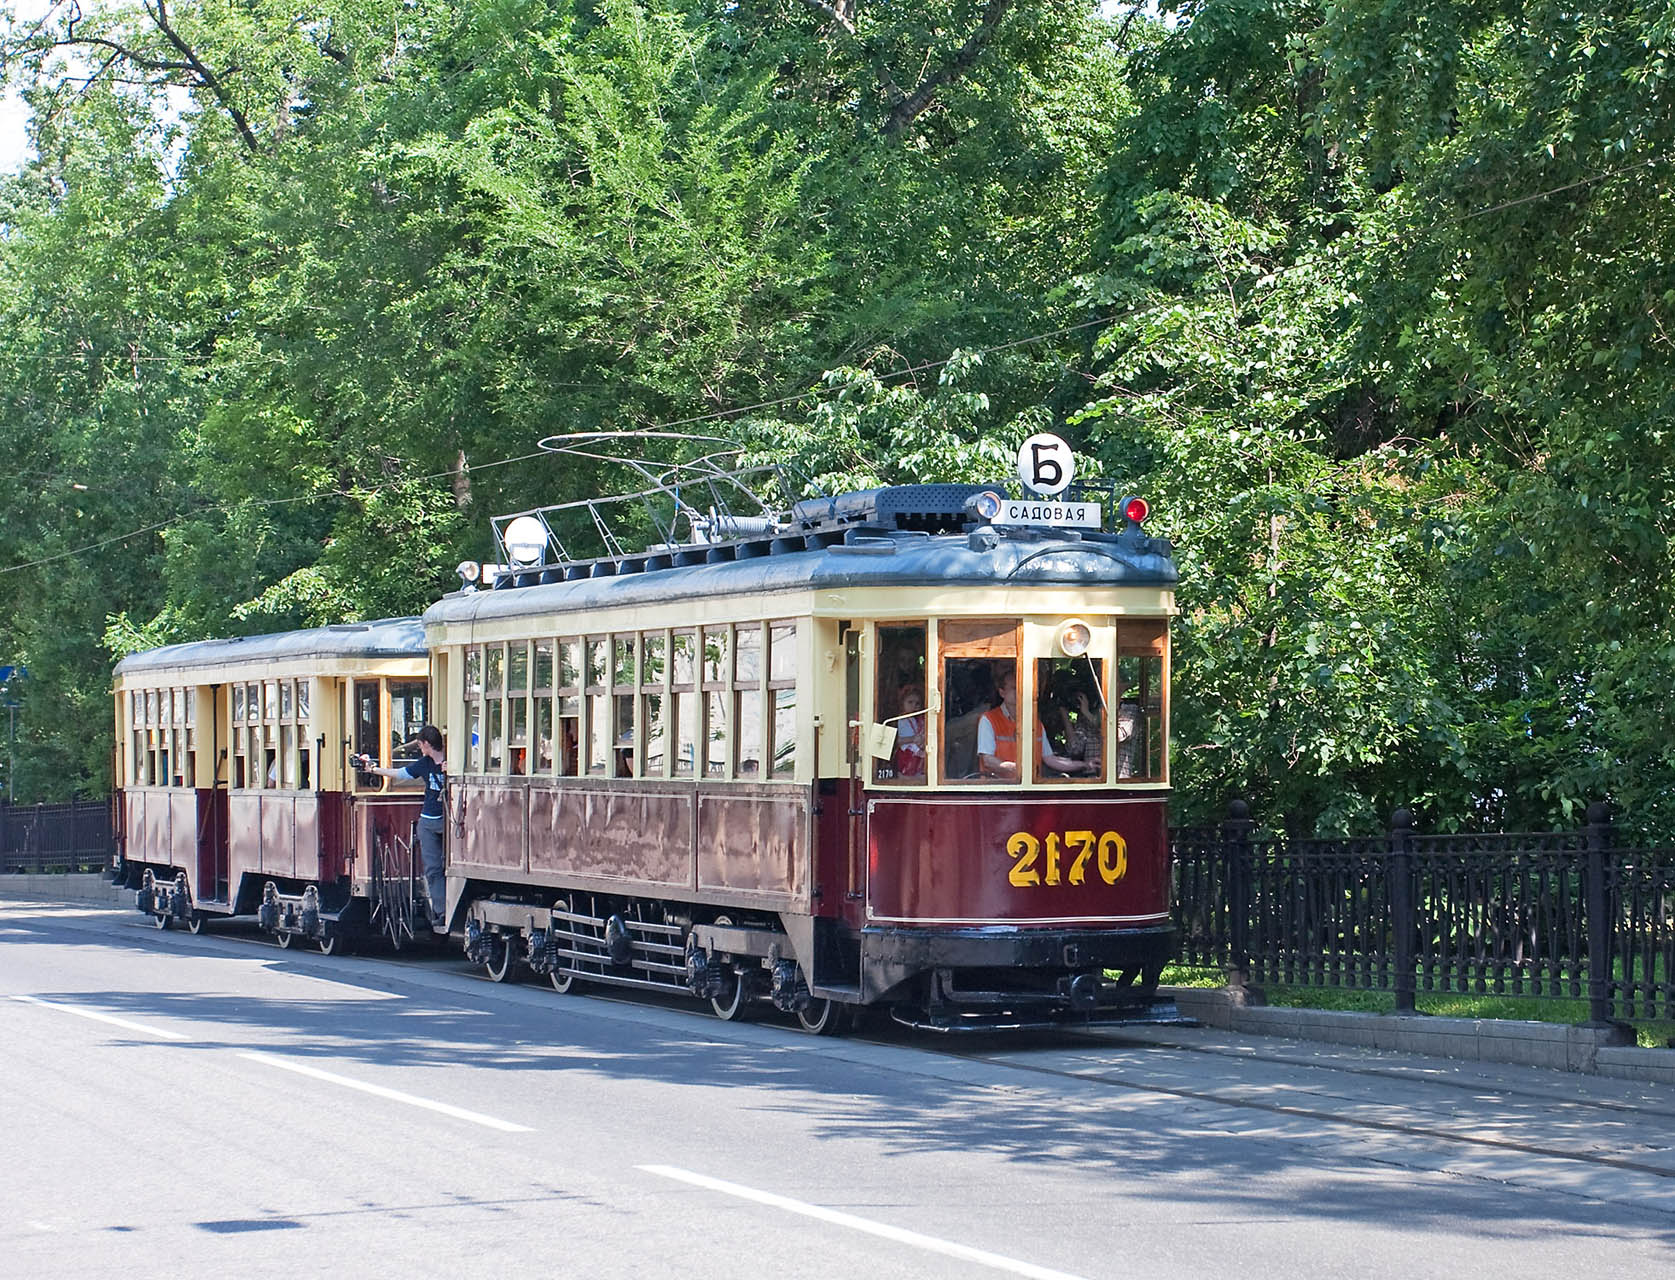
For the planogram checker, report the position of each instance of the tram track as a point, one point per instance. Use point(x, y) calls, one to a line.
point(1013, 1060)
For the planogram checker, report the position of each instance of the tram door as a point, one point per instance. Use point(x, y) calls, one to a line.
point(212, 880)
point(855, 759)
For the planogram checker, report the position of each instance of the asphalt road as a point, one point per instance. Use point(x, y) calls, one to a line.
point(177, 1105)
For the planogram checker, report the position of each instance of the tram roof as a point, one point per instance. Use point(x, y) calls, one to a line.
point(350, 641)
point(989, 556)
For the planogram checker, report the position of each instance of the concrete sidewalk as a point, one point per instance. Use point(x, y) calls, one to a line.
point(65, 888)
point(1598, 1050)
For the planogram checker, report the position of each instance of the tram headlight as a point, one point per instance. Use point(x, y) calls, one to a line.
point(1074, 638)
point(986, 505)
point(1134, 509)
point(526, 540)
point(468, 571)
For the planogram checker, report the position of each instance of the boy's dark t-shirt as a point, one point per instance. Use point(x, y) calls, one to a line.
point(435, 777)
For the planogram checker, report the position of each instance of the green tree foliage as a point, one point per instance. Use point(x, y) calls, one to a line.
point(1371, 300)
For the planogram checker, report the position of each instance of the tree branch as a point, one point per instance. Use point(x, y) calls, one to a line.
point(916, 103)
point(159, 15)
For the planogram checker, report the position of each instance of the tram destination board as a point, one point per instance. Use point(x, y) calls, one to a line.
point(1062, 515)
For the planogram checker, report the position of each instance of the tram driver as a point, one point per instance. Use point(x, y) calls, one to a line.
point(997, 735)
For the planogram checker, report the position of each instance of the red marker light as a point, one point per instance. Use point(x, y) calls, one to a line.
point(1135, 509)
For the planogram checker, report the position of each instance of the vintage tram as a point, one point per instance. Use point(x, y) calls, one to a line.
point(900, 749)
point(889, 750)
point(234, 791)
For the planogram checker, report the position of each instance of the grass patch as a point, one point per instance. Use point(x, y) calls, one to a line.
point(1649, 1035)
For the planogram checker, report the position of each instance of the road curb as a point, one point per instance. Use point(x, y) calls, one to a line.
point(87, 887)
point(1595, 1050)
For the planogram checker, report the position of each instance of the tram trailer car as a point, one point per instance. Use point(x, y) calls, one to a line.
point(705, 766)
point(235, 794)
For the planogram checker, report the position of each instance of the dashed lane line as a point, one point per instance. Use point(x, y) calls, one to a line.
point(931, 1244)
point(393, 1095)
point(160, 1032)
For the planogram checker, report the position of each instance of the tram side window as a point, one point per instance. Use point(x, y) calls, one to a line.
point(899, 699)
point(1142, 704)
point(474, 710)
point(683, 701)
point(570, 708)
point(980, 700)
point(747, 702)
point(541, 681)
point(624, 687)
point(517, 707)
point(716, 697)
point(653, 675)
point(598, 704)
point(1070, 712)
point(782, 692)
point(494, 707)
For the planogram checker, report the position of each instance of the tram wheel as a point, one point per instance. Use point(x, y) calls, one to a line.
point(563, 980)
point(330, 942)
point(822, 1017)
point(283, 938)
point(196, 921)
point(160, 920)
point(729, 1006)
point(499, 969)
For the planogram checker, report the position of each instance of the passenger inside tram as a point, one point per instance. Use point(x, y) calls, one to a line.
point(910, 731)
point(1070, 712)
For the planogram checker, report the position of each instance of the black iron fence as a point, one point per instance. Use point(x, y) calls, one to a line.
point(1568, 914)
point(56, 837)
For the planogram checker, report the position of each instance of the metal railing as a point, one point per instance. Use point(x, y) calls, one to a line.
point(1566, 914)
point(56, 838)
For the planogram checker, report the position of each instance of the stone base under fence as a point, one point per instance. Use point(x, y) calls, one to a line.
point(1607, 1051)
point(81, 887)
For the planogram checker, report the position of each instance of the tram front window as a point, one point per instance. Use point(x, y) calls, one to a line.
point(1070, 710)
point(980, 713)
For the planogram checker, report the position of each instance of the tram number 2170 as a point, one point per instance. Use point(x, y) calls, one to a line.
point(1066, 859)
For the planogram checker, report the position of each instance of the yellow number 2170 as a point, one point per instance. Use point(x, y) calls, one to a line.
point(1067, 856)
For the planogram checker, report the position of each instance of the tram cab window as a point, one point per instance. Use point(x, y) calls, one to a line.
point(899, 700)
point(980, 713)
point(366, 729)
point(1141, 703)
point(782, 694)
point(1070, 713)
point(408, 714)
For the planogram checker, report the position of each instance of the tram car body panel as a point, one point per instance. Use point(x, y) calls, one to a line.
point(701, 740)
point(233, 763)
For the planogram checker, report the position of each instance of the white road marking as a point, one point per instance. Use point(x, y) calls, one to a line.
point(931, 1244)
point(394, 1095)
point(114, 1021)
